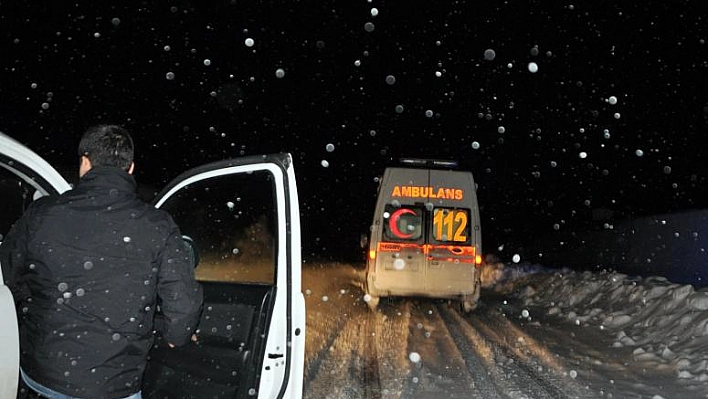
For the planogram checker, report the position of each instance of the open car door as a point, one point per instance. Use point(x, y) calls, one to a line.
point(24, 176)
point(243, 217)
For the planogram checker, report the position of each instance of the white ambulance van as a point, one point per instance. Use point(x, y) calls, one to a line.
point(425, 238)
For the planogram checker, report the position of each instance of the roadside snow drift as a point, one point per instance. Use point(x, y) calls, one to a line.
point(666, 323)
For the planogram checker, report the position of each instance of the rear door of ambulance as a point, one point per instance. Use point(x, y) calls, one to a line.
point(454, 236)
point(24, 176)
point(400, 257)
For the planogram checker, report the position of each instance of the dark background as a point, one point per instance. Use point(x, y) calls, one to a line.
point(66, 66)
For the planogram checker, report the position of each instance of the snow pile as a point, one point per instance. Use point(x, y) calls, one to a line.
point(666, 323)
point(496, 276)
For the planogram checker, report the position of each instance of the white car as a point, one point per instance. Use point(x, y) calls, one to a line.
point(243, 217)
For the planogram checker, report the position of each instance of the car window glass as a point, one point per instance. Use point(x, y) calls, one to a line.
point(232, 220)
point(403, 223)
point(451, 226)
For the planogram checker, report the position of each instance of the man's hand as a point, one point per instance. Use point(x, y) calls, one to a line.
point(194, 339)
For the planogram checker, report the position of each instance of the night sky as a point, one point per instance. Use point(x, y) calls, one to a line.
point(562, 111)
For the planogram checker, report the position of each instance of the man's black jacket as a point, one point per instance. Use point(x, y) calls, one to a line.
point(86, 269)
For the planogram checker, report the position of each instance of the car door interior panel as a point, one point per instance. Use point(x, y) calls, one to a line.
point(225, 359)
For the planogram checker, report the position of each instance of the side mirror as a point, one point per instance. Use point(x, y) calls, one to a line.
point(364, 241)
point(192, 248)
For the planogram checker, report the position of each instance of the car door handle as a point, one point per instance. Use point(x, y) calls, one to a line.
point(275, 355)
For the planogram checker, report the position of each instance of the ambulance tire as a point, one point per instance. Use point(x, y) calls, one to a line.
point(373, 302)
point(469, 303)
point(468, 306)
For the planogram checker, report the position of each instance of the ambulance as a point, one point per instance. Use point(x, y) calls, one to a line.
point(425, 238)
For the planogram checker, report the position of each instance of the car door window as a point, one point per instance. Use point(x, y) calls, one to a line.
point(231, 219)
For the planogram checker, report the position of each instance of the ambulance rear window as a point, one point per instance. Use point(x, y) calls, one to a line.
point(451, 225)
point(403, 223)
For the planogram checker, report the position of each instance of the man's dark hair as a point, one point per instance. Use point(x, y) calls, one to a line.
point(107, 145)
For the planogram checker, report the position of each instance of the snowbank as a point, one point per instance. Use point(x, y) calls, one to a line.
point(666, 323)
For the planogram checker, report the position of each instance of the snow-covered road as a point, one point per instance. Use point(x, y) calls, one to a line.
point(515, 345)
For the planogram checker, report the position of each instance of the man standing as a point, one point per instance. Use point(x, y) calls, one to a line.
point(87, 269)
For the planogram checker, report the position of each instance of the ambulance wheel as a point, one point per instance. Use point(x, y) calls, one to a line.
point(373, 302)
point(467, 305)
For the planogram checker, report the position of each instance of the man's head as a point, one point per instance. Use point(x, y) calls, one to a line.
point(106, 145)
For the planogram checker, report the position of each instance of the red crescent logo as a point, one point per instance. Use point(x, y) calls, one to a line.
point(393, 222)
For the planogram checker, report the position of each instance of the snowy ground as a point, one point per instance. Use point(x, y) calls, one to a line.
point(538, 334)
point(665, 325)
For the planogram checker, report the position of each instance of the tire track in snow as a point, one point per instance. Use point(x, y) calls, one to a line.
point(352, 352)
point(531, 370)
point(370, 359)
point(365, 358)
point(391, 333)
point(439, 369)
point(478, 355)
point(340, 364)
point(314, 363)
